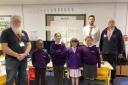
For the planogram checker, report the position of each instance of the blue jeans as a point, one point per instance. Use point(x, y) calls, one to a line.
point(16, 71)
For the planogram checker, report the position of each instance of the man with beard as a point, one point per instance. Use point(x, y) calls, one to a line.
point(91, 30)
point(16, 46)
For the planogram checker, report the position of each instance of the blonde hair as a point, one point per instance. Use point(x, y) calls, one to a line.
point(58, 33)
point(88, 37)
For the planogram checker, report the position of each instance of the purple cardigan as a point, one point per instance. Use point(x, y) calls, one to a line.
point(73, 59)
point(90, 55)
point(40, 58)
point(58, 53)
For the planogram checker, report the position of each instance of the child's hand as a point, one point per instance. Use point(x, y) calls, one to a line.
point(81, 68)
point(102, 62)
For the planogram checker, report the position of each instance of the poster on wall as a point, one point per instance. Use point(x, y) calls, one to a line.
point(34, 35)
point(4, 22)
point(126, 44)
point(126, 38)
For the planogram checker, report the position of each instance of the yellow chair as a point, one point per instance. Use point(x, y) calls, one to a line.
point(104, 73)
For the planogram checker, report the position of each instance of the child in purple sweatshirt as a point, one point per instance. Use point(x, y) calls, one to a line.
point(90, 59)
point(74, 61)
point(40, 60)
point(58, 56)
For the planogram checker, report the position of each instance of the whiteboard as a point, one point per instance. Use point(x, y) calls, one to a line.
point(68, 29)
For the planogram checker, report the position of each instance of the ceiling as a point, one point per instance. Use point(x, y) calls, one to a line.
point(15, 2)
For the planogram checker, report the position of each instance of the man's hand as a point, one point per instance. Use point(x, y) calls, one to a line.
point(81, 68)
point(21, 56)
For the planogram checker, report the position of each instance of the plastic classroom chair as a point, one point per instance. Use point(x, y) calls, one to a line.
point(104, 73)
point(31, 74)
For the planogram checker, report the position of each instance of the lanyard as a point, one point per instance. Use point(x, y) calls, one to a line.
point(18, 37)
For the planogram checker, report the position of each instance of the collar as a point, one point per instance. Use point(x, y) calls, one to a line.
point(74, 47)
point(56, 42)
point(94, 26)
point(40, 49)
point(89, 46)
point(114, 29)
point(111, 29)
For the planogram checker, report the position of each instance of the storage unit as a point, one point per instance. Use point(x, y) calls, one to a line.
point(122, 70)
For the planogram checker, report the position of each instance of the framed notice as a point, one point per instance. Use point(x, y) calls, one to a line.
point(4, 22)
point(69, 25)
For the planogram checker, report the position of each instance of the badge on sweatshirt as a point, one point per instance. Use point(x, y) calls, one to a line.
point(44, 56)
point(21, 44)
point(105, 35)
point(93, 51)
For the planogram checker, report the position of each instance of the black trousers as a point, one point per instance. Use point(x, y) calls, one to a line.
point(112, 59)
point(58, 74)
point(40, 75)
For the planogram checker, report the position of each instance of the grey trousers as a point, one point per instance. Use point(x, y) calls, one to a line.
point(58, 74)
point(89, 82)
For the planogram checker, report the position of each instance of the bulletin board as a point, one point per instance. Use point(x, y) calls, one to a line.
point(4, 22)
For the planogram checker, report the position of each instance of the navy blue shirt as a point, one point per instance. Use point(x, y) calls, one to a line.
point(10, 38)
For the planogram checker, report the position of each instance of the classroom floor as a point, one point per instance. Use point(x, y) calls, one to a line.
point(121, 81)
point(117, 81)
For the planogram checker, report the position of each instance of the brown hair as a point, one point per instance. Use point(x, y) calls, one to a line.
point(74, 40)
point(56, 34)
point(39, 41)
point(88, 37)
point(91, 16)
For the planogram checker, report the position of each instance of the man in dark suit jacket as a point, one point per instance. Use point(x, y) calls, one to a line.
point(111, 45)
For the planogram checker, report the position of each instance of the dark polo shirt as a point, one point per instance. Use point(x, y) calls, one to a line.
point(9, 37)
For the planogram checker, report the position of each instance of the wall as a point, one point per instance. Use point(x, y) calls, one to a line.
point(34, 15)
point(11, 10)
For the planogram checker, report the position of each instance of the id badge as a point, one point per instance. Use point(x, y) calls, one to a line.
point(21, 44)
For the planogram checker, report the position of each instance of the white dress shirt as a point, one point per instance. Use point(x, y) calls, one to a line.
point(95, 33)
point(109, 33)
